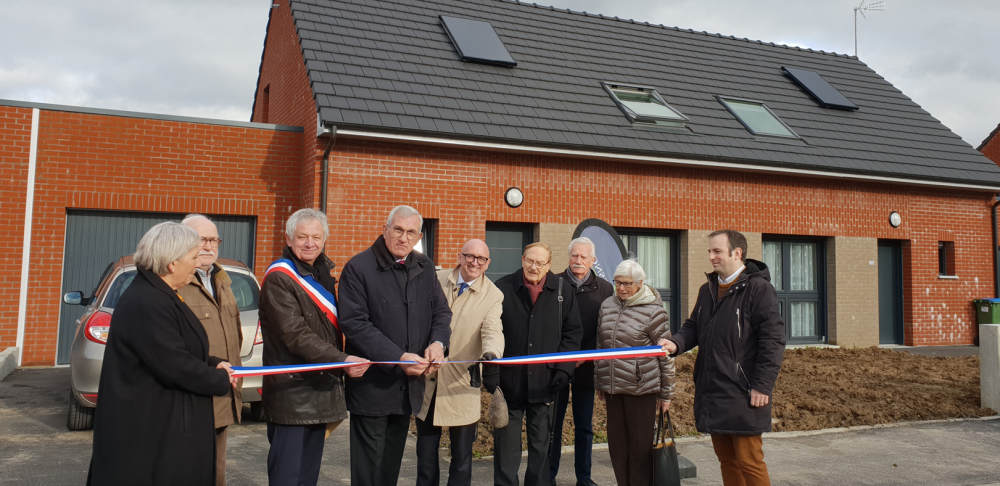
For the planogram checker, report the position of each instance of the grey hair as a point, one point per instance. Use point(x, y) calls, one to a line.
point(194, 217)
point(303, 215)
point(631, 268)
point(583, 240)
point(164, 244)
point(404, 211)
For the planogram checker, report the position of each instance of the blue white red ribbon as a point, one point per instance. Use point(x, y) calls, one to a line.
point(568, 356)
point(319, 295)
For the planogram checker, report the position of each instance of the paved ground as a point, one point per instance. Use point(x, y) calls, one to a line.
point(36, 448)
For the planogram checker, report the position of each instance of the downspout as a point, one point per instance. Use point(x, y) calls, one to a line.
point(29, 210)
point(996, 253)
point(324, 173)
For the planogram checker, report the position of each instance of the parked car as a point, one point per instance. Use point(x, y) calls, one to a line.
point(87, 353)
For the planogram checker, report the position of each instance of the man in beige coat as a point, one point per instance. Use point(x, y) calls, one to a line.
point(452, 396)
point(210, 297)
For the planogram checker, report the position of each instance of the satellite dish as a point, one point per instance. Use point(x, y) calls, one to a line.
point(610, 250)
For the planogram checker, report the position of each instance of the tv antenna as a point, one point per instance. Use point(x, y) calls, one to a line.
point(862, 8)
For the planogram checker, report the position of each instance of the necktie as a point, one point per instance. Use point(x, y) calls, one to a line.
point(401, 261)
point(461, 288)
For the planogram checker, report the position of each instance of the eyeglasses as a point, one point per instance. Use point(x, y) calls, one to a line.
point(397, 232)
point(469, 258)
point(619, 283)
point(532, 263)
point(211, 241)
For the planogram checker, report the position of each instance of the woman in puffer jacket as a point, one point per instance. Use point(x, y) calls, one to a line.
point(634, 389)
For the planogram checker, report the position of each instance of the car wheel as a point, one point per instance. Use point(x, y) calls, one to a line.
point(79, 417)
point(257, 411)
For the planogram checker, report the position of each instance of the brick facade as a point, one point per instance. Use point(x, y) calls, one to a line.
point(88, 161)
point(991, 149)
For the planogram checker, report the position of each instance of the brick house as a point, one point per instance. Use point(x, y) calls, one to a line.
point(991, 146)
point(873, 216)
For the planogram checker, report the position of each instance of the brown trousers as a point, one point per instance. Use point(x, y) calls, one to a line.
point(630, 437)
point(742, 460)
point(220, 455)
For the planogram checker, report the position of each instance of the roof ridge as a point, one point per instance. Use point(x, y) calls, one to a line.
point(677, 29)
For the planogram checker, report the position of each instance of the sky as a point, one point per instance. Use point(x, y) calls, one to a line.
point(201, 57)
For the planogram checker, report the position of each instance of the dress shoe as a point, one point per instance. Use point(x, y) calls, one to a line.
point(586, 483)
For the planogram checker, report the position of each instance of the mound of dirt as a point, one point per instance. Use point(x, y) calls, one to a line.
point(820, 388)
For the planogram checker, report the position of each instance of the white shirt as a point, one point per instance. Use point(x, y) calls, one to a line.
point(462, 280)
point(206, 280)
point(728, 280)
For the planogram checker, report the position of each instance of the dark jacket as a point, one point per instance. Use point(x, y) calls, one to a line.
point(155, 423)
point(533, 329)
point(741, 341)
point(388, 309)
point(295, 331)
point(589, 297)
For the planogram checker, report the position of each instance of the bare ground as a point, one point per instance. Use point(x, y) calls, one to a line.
point(829, 387)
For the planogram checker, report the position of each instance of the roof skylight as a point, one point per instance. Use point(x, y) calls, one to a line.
point(757, 118)
point(642, 104)
point(476, 41)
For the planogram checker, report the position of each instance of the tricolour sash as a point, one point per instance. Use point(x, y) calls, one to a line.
point(319, 295)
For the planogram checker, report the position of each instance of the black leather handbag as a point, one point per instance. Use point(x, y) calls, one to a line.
point(666, 471)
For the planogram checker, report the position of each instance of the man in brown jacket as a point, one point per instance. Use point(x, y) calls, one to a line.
point(211, 299)
point(451, 394)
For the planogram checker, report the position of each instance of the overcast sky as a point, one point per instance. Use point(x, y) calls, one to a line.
point(200, 57)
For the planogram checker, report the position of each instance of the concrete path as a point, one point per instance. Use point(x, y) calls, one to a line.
point(36, 448)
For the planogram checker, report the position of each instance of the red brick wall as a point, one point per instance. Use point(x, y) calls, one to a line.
point(290, 98)
point(116, 163)
point(15, 139)
point(992, 148)
point(463, 189)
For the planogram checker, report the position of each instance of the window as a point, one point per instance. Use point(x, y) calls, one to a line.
point(796, 269)
point(946, 258)
point(506, 242)
point(656, 253)
point(757, 118)
point(641, 104)
point(426, 243)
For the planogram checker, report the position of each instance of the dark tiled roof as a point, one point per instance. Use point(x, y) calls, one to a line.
point(389, 66)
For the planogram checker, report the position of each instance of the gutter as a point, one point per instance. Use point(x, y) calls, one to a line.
point(29, 209)
point(325, 171)
point(654, 159)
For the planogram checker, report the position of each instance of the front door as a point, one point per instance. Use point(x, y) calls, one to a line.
point(506, 242)
point(890, 292)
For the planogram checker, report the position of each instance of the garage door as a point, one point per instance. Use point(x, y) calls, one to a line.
point(96, 238)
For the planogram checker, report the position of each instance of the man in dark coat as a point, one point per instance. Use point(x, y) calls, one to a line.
point(740, 335)
point(392, 309)
point(155, 423)
point(532, 325)
point(591, 292)
point(297, 330)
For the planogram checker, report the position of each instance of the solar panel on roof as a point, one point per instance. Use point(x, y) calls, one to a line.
point(476, 41)
point(827, 95)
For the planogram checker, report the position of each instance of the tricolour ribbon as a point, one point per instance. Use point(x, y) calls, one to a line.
point(567, 356)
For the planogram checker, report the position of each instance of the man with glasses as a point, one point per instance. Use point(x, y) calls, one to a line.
point(539, 316)
point(591, 291)
point(452, 398)
point(210, 297)
point(392, 308)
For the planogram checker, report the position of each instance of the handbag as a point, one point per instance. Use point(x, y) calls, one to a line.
point(666, 471)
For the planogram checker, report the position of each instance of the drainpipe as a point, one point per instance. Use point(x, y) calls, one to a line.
point(996, 253)
point(325, 171)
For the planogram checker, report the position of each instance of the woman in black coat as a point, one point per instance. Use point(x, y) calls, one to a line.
point(154, 422)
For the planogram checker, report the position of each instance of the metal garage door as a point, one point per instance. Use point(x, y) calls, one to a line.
point(96, 238)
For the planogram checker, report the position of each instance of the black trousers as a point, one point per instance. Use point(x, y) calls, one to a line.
point(295, 455)
point(507, 446)
point(428, 444)
point(377, 445)
point(583, 431)
point(630, 438)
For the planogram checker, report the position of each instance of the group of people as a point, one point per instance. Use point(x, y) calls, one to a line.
point(173, 343)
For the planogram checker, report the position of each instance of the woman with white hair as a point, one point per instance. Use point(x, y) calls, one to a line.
point(155, 422)
point(634, 389)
